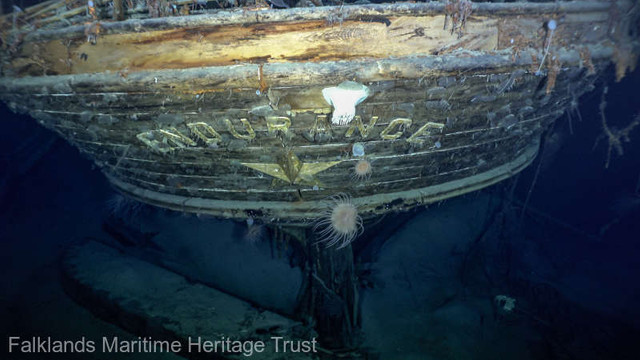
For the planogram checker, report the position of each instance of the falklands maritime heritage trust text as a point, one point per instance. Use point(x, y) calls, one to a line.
point(198, 344)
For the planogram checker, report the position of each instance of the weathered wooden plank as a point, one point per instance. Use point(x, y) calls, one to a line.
point(218, 45)
point(221, 79)
point(474, 87)
point(330, 13)
point(475, 129)
point(417, 170)
point(403, 100)
point(288, 209)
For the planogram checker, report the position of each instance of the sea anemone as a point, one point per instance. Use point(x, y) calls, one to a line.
point(340, 223)
point(362, 170)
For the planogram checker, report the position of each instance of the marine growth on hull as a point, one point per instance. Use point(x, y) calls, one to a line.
point(306, 122)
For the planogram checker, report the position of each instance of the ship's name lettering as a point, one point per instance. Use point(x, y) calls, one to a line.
point(169, 139)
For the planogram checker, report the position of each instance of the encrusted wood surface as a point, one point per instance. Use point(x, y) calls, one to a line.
point(225, 114)
point(295, 35)
point(215, 45)
point(488, 120)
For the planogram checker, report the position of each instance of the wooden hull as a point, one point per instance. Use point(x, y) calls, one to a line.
point(225, 115)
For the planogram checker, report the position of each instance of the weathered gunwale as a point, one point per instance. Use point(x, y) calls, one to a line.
point(348, 12)
point(243, 76)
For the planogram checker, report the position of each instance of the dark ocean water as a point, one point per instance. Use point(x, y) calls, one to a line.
point(571, 259)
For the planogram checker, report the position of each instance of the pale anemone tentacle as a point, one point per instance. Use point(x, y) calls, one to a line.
point(328, 233)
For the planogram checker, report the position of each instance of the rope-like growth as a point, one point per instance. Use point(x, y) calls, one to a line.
point(615, 137)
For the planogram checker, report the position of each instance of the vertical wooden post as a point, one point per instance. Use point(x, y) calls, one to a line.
point(334, 292)
point(329, 298)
